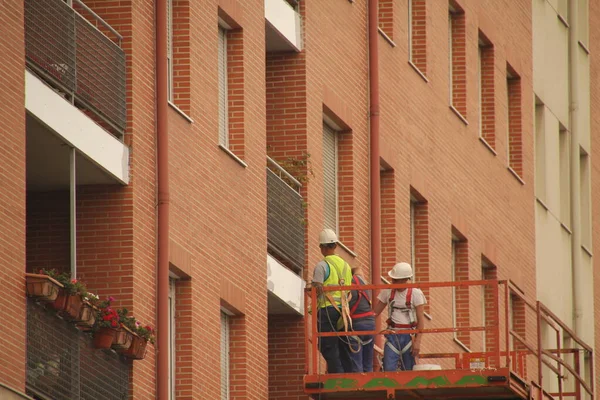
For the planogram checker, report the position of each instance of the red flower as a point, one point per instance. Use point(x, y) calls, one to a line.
point(114, 323)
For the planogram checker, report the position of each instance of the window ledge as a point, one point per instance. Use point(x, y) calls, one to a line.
point(386, 37)
point(542, 203)
point(588, 251)
point(421, 74)
point(347, 249)
point(181, 112)
point(487, 145)
point(428, 316)
point(566, 228)
point(563, 20)
point(512, 171)
point(459, 115)
point(584, 47)
point(462, 345)
point(232, 155)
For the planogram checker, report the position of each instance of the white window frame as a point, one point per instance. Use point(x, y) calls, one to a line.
point(223, 88)
point(172, 339)
point(335, 132)
point(225, 358)
point(170, 50)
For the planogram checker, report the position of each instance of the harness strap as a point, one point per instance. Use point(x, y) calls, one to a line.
point(399, 352)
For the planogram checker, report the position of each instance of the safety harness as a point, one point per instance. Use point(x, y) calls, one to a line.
point(361, 295)
point(408, 307)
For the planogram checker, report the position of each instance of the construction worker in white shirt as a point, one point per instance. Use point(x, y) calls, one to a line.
point(333, 305)
point(406, 312)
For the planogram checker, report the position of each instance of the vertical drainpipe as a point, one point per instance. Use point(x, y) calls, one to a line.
point(162, 168)
point(375, 177)
point(578, 277)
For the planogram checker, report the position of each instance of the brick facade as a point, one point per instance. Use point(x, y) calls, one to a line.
point(277, 103)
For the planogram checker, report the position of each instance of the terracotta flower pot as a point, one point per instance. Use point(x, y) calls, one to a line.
point(123, 339)
point(104, 337)
point(137, 350)
point(87, 316)
point(42, 287)
point(73, 306)
point(61, 300)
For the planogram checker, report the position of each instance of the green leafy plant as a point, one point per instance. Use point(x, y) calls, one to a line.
point(146, 332)
point(72, 286)
point(107, 316)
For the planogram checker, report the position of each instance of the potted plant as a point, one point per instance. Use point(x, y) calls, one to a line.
point(125, 333)
point(42, 287)
point(143, 335)
point(69, 298)
point(87, 317)
point(107, 323)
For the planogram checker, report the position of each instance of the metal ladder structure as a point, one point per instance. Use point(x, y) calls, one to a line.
point(527, 362)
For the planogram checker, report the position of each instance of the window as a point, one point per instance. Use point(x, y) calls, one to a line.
point(460, 295)
point(330, 177)
point(584, 199)
point(419, 240)
point(413, 257)
point(417, 34)
point(540, 151)
point(224, 356)
point(564, 165)
point(515, 142)
point(178, 54)
point(231, 90)
point(386, 18)
point(223, 91)
point(172, 340)
point(487, 109)
point(457, 74)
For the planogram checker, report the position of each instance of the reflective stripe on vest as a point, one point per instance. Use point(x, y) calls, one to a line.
point(340, 274)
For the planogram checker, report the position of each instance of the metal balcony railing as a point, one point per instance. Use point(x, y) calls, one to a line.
point(69, 53)
point(63, 365)
point(285, 217)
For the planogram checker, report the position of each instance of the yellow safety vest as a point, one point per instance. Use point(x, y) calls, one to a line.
point(340, 274)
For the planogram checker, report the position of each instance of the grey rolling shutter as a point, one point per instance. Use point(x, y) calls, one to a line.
point(224, 356)
point(330, 192)
point(223, 118)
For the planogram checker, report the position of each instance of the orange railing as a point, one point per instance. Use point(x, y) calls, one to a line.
point(514, 333)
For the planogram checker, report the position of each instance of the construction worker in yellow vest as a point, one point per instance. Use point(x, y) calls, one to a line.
point(333, 305)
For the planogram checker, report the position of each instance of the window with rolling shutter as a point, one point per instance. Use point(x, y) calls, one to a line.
point(330, 178)
point(223, 117)
point(170, 50)
point(224, 356)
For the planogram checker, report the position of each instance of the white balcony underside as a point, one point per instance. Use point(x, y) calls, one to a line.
point(283, 27)
point(53, 126)
point(286, 289)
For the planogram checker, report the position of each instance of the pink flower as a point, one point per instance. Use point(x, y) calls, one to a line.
point(73, 280)
point(111, 299)
point(138, 323)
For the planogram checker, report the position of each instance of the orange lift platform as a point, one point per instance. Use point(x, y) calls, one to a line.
point(531, 354)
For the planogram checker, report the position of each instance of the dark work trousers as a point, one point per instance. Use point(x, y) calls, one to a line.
point(330, 346)
point(359, 358)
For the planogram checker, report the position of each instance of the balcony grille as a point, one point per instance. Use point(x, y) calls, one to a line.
point(71, 54)
point(63, 365)
point(285, 222)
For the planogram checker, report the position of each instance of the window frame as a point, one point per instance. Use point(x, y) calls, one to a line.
point(223, 87)
point(335, 133)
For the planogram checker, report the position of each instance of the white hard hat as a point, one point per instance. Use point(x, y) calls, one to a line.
point(401, 271)
point(327, 236)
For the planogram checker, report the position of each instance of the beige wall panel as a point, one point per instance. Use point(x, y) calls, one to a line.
point(550, 60)
point(583, 60)
point(552, 163)
point(554, 277)
point(586, 295)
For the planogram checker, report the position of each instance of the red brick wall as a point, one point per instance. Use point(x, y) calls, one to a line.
point(515, 126)
point(286, 357)
point(490, 272)
point(386, 17)
point(12, 196)
point(461, 299)
point(388, 221)
point(418, 37)
point(488, 93)
point(235, 90)
point(181, 55)
point(459, 60)
point(48, 240)
point(421, 258)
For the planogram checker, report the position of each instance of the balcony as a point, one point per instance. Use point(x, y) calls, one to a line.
point(82, 63)
point(283, 26)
